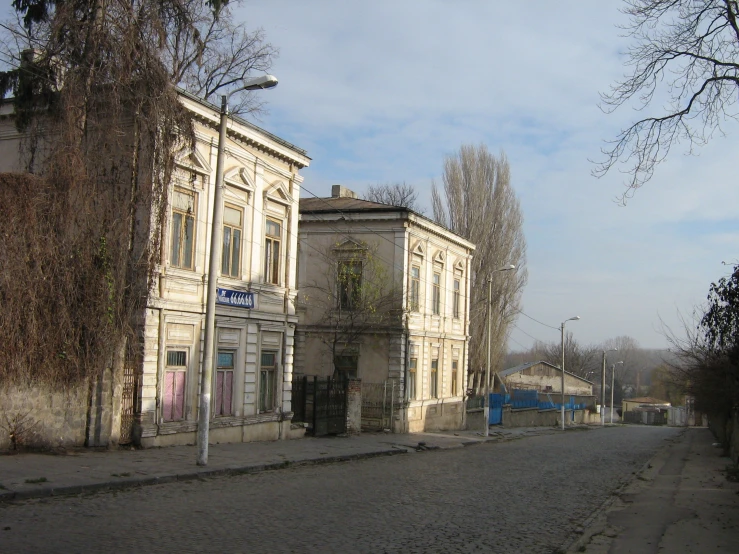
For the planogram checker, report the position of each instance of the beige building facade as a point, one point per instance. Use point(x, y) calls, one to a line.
point(421, 349)
point(255, 312)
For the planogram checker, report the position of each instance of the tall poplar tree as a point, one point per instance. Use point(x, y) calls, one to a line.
point(478, 202)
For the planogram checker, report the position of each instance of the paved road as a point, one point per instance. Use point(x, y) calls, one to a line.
point(530, 495)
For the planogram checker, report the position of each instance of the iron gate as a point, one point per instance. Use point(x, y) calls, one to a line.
point(128, 403)
point(321, 403)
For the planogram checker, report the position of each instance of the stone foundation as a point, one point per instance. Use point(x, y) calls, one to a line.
point(42, 418)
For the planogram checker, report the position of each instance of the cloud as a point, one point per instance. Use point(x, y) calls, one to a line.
point(381, 92)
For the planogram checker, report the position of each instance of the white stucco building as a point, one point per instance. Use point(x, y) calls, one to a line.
point(255, 315)
point(423, 350)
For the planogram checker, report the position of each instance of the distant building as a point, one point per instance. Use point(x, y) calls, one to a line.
point(644, 403)
point(651, 411)
point(543, 377)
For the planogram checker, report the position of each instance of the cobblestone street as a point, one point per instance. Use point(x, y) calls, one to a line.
point(530, 495)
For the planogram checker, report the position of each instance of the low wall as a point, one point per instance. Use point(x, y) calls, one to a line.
point(435, 415)
point(475, 421)
point(531, 417)
point(726, 431)
point(41, 418)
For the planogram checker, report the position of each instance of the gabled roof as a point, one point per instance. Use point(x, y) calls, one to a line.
point(521, 367)
point(646, 400)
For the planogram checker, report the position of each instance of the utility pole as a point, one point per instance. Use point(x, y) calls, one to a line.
point(216, 230)
point(486, 404)
point(603, 393)
point(603, 389)
point(562, 328)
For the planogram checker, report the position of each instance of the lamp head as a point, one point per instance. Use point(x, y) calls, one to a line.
point(261, 82)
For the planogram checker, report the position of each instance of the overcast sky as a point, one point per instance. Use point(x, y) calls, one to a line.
point(380, 92)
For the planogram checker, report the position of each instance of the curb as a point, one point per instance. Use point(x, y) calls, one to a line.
point(130, 483)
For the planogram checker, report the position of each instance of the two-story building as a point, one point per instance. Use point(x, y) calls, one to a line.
point(255, 315)
point(418, 274)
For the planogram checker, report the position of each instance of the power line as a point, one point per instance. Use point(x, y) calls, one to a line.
point(537, 321)
point(525, 333)
point(518, 343)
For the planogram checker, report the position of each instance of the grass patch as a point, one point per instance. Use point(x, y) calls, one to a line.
point(38, 480)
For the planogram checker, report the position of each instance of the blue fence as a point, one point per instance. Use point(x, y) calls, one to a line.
point(522, 399)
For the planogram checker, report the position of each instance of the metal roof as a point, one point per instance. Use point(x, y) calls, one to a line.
point(521, 367)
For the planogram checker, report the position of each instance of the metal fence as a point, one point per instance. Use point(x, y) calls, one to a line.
point(527, 399)
point(321, 402)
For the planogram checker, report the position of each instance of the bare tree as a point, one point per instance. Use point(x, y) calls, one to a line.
point(479, 203)
point(628, 352)
point(398, 194)
point(665, 386)
point(687, 50)
point(580, 360)
point(214, 53)
point(353, 298)
point(204, 50)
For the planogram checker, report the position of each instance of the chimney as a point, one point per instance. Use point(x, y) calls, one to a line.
point(338, 191)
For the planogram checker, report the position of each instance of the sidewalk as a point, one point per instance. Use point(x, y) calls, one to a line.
point(681, 501)
point(38, 475)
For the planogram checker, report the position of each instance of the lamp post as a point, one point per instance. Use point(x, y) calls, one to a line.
point(262, 82)
point(613, 379)
point(562, 329)
point(486, 400)
point(603, 388)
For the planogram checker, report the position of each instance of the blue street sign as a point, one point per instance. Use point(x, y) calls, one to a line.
point(236, 298)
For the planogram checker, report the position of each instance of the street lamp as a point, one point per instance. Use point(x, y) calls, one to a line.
point(562, 329)
point(613, 379)
point(257, 83)
point(486, 400)
point(603, 389)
